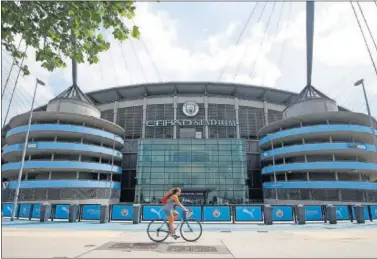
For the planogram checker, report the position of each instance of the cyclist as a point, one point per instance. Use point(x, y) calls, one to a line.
point(170, 200)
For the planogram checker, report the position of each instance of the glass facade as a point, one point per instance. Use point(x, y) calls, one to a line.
point(218, 165)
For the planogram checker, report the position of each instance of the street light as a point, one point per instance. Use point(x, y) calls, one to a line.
point(361, 82)
point(15, 201)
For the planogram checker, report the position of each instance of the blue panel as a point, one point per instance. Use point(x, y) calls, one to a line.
point(196, 212)
point(62, 165)
point(121, 212)
point(366, 213)
point(66, 128)
point(321, 185)
point(62, 211)
point(63, 146)
point(153, 212)
point(373, 209)
point(36, 214)
point(63, 184)
point(313, 213)
point(312, 129)
point(319, 165)
point(316, 147)
point(7, 209)
point(90, 212)
point(24, 210)
point(249, 213)
point(216, 213)
point(282, 213)
point(342, 213)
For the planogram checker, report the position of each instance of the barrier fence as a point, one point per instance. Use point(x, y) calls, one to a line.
point(204, 213)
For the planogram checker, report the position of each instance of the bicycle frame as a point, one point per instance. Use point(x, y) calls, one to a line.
point(180, 223)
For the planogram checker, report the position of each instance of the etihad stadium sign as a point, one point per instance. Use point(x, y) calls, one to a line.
point(165, 123)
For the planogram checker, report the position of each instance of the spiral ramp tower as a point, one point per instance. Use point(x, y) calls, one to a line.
point(317, 154)
point(72, 154)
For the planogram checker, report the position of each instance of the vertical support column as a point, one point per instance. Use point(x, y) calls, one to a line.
point(175, 105)
point(115, 116)
point(144, 117)
point(236, 107)
point(265, 110)
point(206, 129)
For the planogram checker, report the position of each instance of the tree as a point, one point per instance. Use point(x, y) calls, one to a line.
point(49, 28)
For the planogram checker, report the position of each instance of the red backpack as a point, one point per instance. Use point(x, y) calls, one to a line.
point(164, 199)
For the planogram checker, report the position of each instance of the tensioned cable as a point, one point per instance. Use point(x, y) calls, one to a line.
point(14, 88)
point(112, 63)
point(138, 60)
point(247, 48)
point(366, 23)
point(276, 31)
point(285, 40)
point(365, 40)
point(239, 39)
point(11, 69)
point(264, 36)
point(125, 62)
point(281, 12)
point(150, 57)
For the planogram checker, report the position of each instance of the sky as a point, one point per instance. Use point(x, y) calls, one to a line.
point(198, 42)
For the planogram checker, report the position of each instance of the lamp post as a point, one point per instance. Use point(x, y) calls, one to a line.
point(38, 82)
point(361, 82)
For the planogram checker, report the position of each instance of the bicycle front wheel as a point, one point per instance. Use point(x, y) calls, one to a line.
point(191, 230)
point(158, 231)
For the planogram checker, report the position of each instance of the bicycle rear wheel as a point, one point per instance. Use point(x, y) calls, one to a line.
point(158, 231)
point(191, 230)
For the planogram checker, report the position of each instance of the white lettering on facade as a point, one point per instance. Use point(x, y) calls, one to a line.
point(164, 123)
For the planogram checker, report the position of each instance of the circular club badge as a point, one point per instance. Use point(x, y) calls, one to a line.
point(190, 109)
point(216, 213)
point(124, 212)
point(279, 213)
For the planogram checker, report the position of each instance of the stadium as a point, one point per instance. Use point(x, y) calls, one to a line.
point(222, 143)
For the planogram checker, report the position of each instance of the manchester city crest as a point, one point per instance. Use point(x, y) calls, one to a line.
point(279, 213)
point(190, 109)
point(124, 212)
point(216, 213)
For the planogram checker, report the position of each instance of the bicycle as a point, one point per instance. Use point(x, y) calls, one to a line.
point(163, 229)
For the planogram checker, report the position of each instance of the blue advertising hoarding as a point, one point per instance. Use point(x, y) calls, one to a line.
point(24, 210)
point(36, 214)
point(196, 212)
point(366, 213)
point(151, 212)
point(62, 211)
point(90, 212)
point(342, 213)
point(216, 213)
point(7, 209)
point(121, 212)
point(373, 210)
point(248, 213)
point(313, 213)
point(282, 213)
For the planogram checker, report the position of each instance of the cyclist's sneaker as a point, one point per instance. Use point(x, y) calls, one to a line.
point(175, 236)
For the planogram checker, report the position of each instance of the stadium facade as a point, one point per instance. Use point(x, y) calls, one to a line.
point(218, 141)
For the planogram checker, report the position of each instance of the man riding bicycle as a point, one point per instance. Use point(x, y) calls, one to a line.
point(170, 200)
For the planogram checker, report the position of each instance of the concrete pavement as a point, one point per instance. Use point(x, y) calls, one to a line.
point(304, 243)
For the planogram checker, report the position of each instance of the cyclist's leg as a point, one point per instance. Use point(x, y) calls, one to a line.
point(171, 218)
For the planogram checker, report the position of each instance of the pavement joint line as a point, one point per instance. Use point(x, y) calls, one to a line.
point(230, 252)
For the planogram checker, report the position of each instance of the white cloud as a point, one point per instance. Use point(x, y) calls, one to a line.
point(338, 49)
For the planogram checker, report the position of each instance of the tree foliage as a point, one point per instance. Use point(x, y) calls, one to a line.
point(49, 27)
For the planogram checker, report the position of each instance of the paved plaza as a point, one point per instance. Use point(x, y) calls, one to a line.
point(28, 239)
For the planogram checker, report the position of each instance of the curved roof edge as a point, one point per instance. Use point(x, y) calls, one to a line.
point(90, 120)
point(362, 118)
